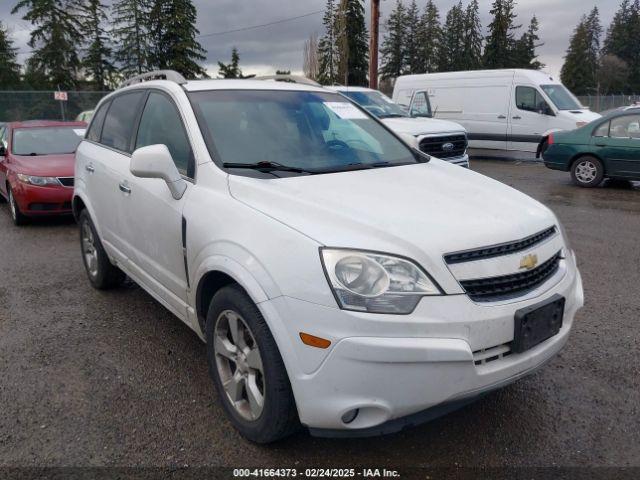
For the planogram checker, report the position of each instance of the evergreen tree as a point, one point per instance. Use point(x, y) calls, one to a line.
point(500, 44)
point(353, 43)
point(55, 40)
point(131, 35)
point(472, 55)
point(393, 49)
point(622, 40)
point(173, 30)
point(412, 40)
point(232, 69)
point(9, 68)
point(328, 56)
point(97, 61)
point(525, 55)
point(594, 34)
point(451, 52)
point(577, 73)
point(430, 38)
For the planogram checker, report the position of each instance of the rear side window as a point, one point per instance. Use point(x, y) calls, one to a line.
point(119, 123)
point(625, 127)
point(95, 128)
point(161, 124)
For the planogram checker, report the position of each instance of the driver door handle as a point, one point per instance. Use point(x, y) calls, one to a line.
point(89, 168)
point(502, 117)
point(517, 118)
point(124, 188)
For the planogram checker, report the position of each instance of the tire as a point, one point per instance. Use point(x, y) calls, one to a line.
point(587, 172)
point(277, 417)
point(102, 273)
point(17, 216)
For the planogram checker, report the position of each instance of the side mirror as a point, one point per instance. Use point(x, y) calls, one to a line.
point(155, 161)
point(546, 110)
point(3, 150)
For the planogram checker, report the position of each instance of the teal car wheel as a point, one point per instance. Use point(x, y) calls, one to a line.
point(587, 171)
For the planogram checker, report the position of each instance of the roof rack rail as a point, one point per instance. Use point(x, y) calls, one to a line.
point(290, 78)
point(170, 75)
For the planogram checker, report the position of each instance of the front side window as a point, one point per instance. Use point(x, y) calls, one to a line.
point(314, 131)
point(46, 140)
point(530, 100)
point(161, 124)
point(377, 104)
point(562, 98)
point(627, 126)
point(421, 106)
point(120, 121)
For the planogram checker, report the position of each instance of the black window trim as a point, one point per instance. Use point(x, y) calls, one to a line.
point(106, 104)
point(192, 166)
point(136, 120)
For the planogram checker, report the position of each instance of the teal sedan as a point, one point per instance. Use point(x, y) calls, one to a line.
point(607, 147)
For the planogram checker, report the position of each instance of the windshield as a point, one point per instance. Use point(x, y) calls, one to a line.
point(46, 140)
point(316, 132)
point(561, 97)
point(376, 104)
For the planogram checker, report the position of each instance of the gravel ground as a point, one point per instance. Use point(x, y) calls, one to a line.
point(92, 378)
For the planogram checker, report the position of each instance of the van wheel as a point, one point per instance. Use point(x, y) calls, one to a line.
point(247, 369)
point(587, 172)
point(17, 216)
point(101, 272)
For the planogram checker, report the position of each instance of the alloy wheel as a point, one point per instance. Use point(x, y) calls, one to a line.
point(89, 249)
point(239, 365)
point(586, 171)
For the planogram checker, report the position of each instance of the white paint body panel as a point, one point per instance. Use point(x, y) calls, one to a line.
point(266, 235)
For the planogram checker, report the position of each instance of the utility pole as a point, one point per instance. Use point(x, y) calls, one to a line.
point(373, 44)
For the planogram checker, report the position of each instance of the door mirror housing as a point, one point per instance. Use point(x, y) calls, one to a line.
point(155, 161)
point(546, 110)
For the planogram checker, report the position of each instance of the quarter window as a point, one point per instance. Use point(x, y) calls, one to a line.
point(95, 129)
point(602, 130)
point(161, 124)
point(120, 121)
point(530, 100)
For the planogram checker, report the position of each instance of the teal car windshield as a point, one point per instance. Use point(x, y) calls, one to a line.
point(562, 98)
point(377, 104)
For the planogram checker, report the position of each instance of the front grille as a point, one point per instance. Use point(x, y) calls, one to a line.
point(499, 250)
point(508, 286)
point(434, 146)
point(66, 181)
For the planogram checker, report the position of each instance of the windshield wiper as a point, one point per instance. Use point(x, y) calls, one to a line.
point(266, 167)
point(393, 115)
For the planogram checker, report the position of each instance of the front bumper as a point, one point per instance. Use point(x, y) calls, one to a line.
point(49, 200)
point(434, 363)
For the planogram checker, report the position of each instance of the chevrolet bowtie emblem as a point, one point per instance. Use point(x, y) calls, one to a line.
point(529, 261)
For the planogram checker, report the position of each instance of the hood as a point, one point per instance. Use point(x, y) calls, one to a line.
point(583, 115)
point(420, 211)
point(45, 165)
point(421, 126)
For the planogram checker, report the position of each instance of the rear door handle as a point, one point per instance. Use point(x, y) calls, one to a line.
point(124, 188)
point(502, 117)
point(601, 144)
point(517, 118)
point(89, 168)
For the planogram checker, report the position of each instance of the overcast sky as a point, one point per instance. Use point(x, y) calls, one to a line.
point(263, 50)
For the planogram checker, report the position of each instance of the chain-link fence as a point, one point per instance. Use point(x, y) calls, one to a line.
point(603, 103)
point(41, 105)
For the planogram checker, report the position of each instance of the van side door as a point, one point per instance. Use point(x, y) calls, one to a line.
point(530, 117)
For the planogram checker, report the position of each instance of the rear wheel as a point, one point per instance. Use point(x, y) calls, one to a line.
point(14, 209)
point(587, 172)
point(101, 272)
point(247, 369)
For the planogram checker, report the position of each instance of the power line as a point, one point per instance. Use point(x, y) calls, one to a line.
point(253, 27)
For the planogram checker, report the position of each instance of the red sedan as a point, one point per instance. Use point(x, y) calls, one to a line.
point(36, 167)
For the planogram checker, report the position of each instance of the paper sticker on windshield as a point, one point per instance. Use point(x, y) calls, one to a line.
point(345, 110)
point(79, 131)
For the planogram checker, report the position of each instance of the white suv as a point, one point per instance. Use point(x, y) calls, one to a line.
point(340, 279)
point(443, 139)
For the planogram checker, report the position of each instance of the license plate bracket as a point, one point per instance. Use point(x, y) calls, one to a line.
point(537, 323)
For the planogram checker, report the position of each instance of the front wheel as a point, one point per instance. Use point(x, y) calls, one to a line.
point(247, 369)
point(587, 172)
point(101, 272)
point(16, 215)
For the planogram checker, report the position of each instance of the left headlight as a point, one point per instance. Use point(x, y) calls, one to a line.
point(38, 181)
point(375, 282)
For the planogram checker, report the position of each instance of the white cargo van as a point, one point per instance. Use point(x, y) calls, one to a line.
point(513, 110)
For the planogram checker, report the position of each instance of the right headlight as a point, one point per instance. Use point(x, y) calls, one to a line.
point(375, 282)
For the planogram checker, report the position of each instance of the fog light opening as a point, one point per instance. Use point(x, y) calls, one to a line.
point(350, 416)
